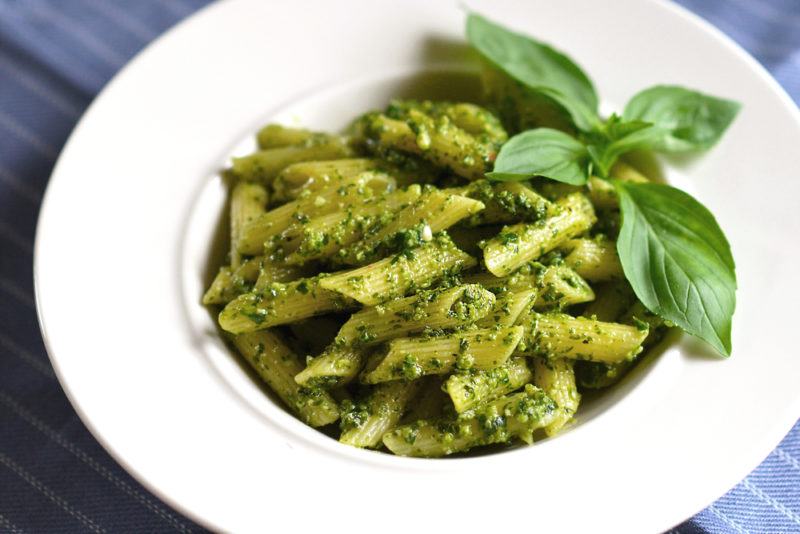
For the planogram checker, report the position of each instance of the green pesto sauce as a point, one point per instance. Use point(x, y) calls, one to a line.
point(353, 415)
point(465, 361)
point(410, 368)
point(364, 335)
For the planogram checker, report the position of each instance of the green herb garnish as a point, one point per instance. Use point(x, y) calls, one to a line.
point(672, 250)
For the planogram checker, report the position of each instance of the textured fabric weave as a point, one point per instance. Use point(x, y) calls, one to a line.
point(55, 56)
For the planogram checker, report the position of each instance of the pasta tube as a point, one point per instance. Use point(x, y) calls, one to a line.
point(312, 176)
point(468, 389)
point(437, 140)
point(401, 274)
point(595, 375)
point(513, 416)
point(595, 260)
point(276, 364)
point(264, 165)
point(514, 282)
point(271, 271)
point(276, 136)
point(432, 309)
point(280, 304)
point(248, 201)
point(229, 283)
point(559, 287)
point(324, 236)
point(556, 377)
point(521, 243)
point(412, 225)
point(364, 424)
point(336, 366)
point(506, 202)
point(254, 274)
point(578, 338)
point(410, 358)
point(474, 120)
point(336, 196)
point(508, 307)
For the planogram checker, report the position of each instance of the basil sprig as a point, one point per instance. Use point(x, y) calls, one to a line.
point(672, 250)
point(618, 137)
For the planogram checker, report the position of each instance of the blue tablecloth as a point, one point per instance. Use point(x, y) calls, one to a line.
point(55, 55)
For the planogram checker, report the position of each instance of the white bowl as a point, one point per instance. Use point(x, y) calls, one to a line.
point(128, 223)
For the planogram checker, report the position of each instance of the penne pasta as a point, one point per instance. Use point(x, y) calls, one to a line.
point(437, 140)
point(411, 358)
point(513, 416)
point(412, 225)
point(276, 365)
point(337, 196)
point(471, 388)
point(595, 260)
point(312, 176)
point(403, 273)
point(556, 377)
point(578, 338)
point(280, 304)
point(521, 243)
point(364, 424)
point(508, 307)
point(248, 201)
point(277, 135)
point(506, 202)
point(263, 166)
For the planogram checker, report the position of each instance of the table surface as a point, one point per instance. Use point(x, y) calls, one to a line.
point(55, 56)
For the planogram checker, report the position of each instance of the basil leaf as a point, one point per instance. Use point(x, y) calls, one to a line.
point(542, 152)
point(621, 137)
point(688, 120)
point(677, 260)
point(537, 66)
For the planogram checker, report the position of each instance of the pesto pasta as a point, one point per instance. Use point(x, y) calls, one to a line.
point(388, 290)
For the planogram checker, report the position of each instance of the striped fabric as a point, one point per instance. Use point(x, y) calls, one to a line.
point(55, 55)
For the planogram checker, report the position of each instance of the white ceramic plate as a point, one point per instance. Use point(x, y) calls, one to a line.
point(123, 248)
